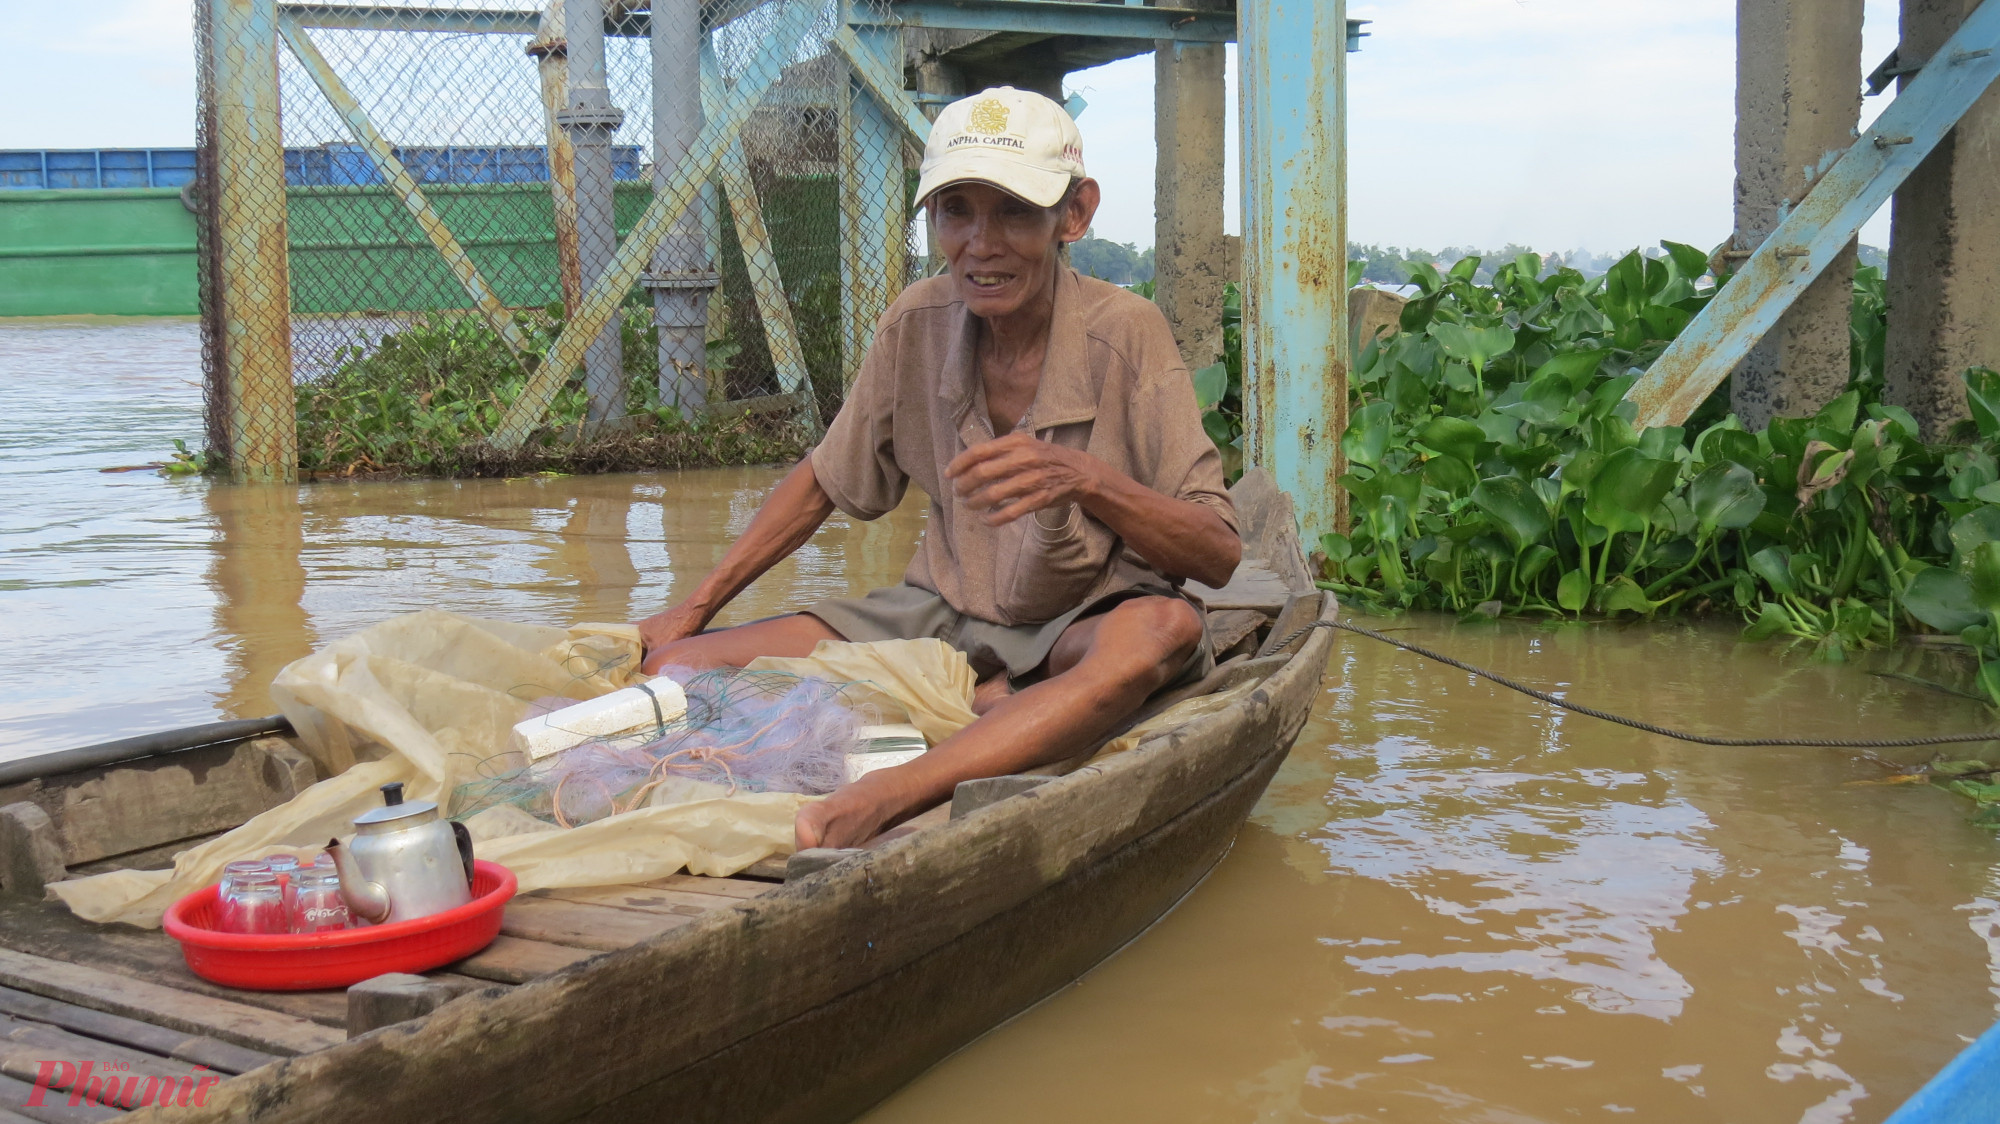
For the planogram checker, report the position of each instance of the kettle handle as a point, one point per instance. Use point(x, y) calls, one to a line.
point(464, 840)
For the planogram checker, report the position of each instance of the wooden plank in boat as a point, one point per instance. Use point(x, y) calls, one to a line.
point(120, 808)
point(146, 1001)
point(48, 929)
point(15, 1095)
point(515, 960)
point(24, 1047)
point(224, 1057)
point(580, 925)
point(1253, 586)
point(721, 887)
point(770, 869)
point(640, 897)
point(1228, 627)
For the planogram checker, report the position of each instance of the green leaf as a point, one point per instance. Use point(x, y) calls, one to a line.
point(1336, 546)
point(1605, 399)
point(1838, 415)
point(1573, 590)
point(1623, 595)
point(1626, 489)
point(1984, 574)
point(1725, 497)
point(1662, 441)
point(1541, 403)
point(1770, 622)
point(1982, 394)
point(1210, 384)
point(1774, 565)
point(1532, 562)
point(1473, 345)
point(1572, 368)
point(1217, 427)
point(1942, 599)
point(1691, 263)
point(1732, 445)
point(1368, 434)
point(1515, 508)
point(1450, 475)
point(1454, 437)
point(1980, 525)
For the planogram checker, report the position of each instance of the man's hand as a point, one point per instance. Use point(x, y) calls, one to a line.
point(1018, 475)
point(661, 629)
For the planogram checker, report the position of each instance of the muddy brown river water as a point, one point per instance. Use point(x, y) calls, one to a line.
point(1452, 905)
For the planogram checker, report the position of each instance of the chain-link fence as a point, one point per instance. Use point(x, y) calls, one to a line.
point(456, 189)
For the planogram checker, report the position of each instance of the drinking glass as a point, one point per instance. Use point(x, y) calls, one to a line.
point(286, 868)
point(317, 906)
point(254, 903)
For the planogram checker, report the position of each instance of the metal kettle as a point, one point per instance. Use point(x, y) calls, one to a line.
point(405, 861)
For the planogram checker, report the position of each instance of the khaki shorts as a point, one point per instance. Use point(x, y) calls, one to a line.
point(908, 612)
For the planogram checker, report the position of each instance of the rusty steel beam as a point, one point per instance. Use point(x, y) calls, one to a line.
point(252, 274)
point(760, 258)
point(872, 230)
point(1293, 96)
point(884, 82)
point(405, 186)
point(608, 291)
point(550, 50)
point(1820, 226)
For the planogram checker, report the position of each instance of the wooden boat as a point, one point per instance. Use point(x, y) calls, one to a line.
point(800, 991)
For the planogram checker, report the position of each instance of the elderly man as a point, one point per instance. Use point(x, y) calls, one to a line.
point(1050, 419)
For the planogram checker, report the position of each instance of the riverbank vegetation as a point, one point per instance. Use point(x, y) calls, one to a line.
point(1493, 468)
point(423, 400)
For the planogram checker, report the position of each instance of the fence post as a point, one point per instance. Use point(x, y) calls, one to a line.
point(683, 274)
point(1293, 60)
point(589, 118)
point(550, 50)
point(872, 236)
point(250, 320)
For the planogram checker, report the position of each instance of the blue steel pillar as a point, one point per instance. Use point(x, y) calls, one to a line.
point(248, 303)
point(872, 233)
point(1293, 73)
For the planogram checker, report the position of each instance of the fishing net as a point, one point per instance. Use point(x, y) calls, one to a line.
point(755, 731)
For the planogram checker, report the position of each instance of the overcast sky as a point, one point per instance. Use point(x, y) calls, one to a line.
point(1558, 124)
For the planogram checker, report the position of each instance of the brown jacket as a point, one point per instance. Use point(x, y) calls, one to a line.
point(1113, 384)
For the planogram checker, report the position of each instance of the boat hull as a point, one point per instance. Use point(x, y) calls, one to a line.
point(821, 998)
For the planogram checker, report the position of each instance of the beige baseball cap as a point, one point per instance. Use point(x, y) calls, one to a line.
point(1018, 141)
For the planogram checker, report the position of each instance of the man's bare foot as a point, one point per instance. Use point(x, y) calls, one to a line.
point(849, 816)
point(987, 695)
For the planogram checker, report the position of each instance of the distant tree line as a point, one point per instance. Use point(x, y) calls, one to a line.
point(1120, 263)
point(1123, 263)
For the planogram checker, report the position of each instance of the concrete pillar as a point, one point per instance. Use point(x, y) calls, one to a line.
point(1190, 251)
point(1798, 101)
point(1944, 246)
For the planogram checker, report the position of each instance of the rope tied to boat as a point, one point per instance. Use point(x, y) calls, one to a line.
point(1634, 723)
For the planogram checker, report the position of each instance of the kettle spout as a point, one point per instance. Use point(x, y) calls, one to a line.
point(368, 900)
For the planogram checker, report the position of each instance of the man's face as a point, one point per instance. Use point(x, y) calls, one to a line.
point(1001, 250)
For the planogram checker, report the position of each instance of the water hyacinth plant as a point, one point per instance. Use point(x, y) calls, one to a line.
point(1493, 468)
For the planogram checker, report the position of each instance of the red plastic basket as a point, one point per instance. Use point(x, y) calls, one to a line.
point(305, 961)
